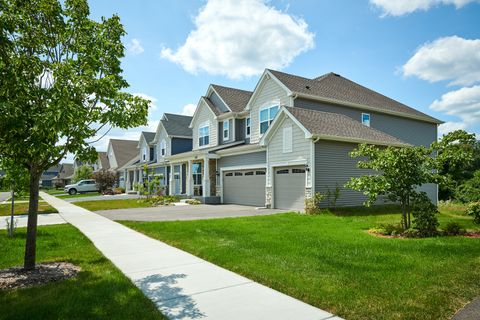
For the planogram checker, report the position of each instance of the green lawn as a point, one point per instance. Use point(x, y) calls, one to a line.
point(112, 204)
point(53, 191)
point(330, 261)
point(99, 292)
point(80, 195)
point(22, 208)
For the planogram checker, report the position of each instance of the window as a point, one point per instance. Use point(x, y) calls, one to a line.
point(144, 153)
point(250, 173)
point(283, 171)
point(226, 130)
point(248, 126)
point(266, 117)
point(197, 173)
point(287, 139)
point(260, 173)
point(366, 119)
point(163, 148)
point(229, 174)
point(298, 170)
point(238, 174)
point(152, 153)
point(204, 135)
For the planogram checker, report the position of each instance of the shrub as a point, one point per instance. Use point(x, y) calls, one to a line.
point(193, 201)
point(162, 200)
point(105, 179)
point(473, 209)
point(470, 190)
point(453, 229)
point(389, 229)
point(411, 233)
point(424, 215)
point(312, 204)
point(332, 196)
point(119, 190)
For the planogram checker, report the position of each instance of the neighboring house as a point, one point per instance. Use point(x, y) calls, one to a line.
point(121, 153)
point(173, 136)
point(48, 175)
point(287, 139)
point(64, 176)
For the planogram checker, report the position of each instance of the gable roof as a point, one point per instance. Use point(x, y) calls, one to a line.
point(335, 126)
point(103, 158)
point(177, 125)
point(235, 99)
point(334, 87)
point(149, 136)
point(124, 150)
point(66, 170)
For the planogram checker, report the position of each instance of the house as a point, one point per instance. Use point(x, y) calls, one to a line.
point(173, 136)
point(120, 153)
point(48, 175)
point(287, 139)
point(64, 176)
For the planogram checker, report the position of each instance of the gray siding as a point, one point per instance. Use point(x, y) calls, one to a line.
point(218, 102)
point(333, 165)
point(409, 130)
point(180, 145)
point(269, 93)
point(220, 132)
point(239, 129)
point(246, 159)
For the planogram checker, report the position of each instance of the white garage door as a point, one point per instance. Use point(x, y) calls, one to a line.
point(244, 187)
point(289, 188)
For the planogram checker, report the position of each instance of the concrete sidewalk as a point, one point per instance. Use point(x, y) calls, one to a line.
point(181, 285)
point(43, 220)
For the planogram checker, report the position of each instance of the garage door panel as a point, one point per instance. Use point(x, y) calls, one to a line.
point(289, 188)
point(244, 187)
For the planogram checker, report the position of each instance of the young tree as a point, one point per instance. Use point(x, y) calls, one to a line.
point(105, 179)
point(397, 173)
point(61, 85)
point(82, 173)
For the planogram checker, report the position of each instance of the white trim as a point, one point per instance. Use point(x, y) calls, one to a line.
point(358, 140)
point(197, 110)
point(278, 121)
point(211, 88)
point(267, 106)
point(289, 163)
point(202, 125)
point(248, 148)
point(247, 135)
point(235, 168)
point(228, 131)
point(266, 75)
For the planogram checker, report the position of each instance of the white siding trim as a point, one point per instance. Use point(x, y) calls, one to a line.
point(287, 139)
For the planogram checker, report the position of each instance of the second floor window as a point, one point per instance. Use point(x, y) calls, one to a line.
point(226, 130)
point(366, 119)
point(266, 117)
point(163, 148)
point(204, 135)
point(248, 126)
point(144, 154)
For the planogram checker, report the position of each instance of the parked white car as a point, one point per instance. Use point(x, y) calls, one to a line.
point(81, 187)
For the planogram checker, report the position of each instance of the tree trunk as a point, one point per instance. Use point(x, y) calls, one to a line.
point(12, 213)
point(31, 243)
point(404, 217)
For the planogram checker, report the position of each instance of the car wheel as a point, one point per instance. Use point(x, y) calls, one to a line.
point(72, 191)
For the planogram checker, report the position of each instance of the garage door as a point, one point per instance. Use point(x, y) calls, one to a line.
point(289, 188)
point(244, 187)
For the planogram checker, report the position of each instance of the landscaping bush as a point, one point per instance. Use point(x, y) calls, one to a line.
point(162, 200)
point(473, 209)
point(453, 229)
point(470, 190)
point(424, 215)
point(312, 204)
point(388, 229)
point(105, 180)
point(119, 190)
point(411, 233)
point(193, 201)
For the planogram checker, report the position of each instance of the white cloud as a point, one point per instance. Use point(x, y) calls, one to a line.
point(135, 47)
point(153, 100)
point(241, 38)
point(447, 127)
point(189, 109)
point(450, 58)
point(402, 7)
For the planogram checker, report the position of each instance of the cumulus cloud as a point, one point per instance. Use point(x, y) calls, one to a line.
point(449, 58)
point(153, 100)
point(189, 109)
point(135, 47)
point(240, 38)
point(399, 8)
point(447, 127)
point(463, 103)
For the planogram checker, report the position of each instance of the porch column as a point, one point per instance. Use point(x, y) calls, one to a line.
point(171, 187)
point(126, 180)
point(206, 178)
point(135, 176)
point(140, 175)
point(189, 177)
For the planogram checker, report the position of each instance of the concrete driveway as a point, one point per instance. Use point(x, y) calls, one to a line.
point(4, 196)
point(193, 212)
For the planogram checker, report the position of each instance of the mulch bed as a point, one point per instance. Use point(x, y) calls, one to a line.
point(466, 235)
point(17, 277)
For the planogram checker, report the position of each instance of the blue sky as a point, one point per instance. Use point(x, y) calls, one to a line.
point(417, 53)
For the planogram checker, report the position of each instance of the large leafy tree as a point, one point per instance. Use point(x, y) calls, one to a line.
point(83, 172)
point(61, 84)
point(396, 173)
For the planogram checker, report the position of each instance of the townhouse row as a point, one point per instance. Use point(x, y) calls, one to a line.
point(275, 146)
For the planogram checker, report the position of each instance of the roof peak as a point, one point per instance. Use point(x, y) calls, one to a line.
point(232, 88)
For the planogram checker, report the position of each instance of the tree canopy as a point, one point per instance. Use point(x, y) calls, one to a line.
point(61, 85)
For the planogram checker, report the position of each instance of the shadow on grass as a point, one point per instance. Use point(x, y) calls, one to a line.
point(367, 211)
point(169, 299)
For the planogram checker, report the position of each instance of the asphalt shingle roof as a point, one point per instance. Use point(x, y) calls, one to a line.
point(149, 136)
point(124, 150)
point(336, 87)
point(177, 125)
point(235, 99)
point(102, 156)
point(322, 123)
point(212, 107)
